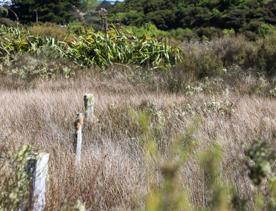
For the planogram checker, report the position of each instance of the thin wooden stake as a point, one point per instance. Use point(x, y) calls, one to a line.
point(88, 105)
point(78, 137)
point(39, 178)
point(103, 14)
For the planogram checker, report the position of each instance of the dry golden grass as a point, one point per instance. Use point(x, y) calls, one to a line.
point(113, 175)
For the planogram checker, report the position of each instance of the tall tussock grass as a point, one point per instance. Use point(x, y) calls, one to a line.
point(150, 152)
point(175, 128)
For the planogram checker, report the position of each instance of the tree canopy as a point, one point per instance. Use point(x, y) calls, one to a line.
point(171, 14)
point(58, 11)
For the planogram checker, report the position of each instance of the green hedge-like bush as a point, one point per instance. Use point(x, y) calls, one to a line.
point(90, 48)
point(115, 47)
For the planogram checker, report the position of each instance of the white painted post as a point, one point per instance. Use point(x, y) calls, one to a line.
point(78, 136)
point(88, 105)
point(39, 178)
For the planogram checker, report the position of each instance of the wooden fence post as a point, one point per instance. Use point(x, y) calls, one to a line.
point(88, 105)
point(79, 123)
point(103, 14)
point(78, 136)
point(39, 177)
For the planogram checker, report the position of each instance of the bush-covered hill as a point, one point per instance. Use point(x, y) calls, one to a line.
point(241, 15)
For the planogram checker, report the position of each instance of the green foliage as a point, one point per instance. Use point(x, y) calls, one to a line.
point(220, 193)
point(261, 164)
point(266, 54)
point(147, 47)
point(148, 30)
point(169, 195)
point(18, 40)
point(205, 17)
point(15, 187)
point(76, 28)
point(3, 11)
point(117, 47)
point(90, 48)
point(58, 11)
point(183, 34)
point(89, 4)
point(131, 17)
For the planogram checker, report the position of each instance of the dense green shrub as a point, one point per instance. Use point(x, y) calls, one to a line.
point(146, 30)
point(130, 17)
point(209, 33)
point(261, 165)
point(15, 180)
point(117, 47)
point(147, 47)
point(266, 54)
point(90, 48)
point(3, 11)
point(261, 161)
point(183, 34)
point(76, 28)
point(58, 11)
point(208, 17)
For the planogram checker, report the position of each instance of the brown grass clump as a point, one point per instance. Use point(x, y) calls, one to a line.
point(49, 30)
point(235, 50)
point(113, 175)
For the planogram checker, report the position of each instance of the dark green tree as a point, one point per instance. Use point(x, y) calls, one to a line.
point(58, 11)
point(3, 11)
point(240, 15)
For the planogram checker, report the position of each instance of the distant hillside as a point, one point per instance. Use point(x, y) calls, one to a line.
point(240, 15)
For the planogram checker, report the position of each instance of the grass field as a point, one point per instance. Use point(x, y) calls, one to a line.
point(114, 172)
point(178, 125)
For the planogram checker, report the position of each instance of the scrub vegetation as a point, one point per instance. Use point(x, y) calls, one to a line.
point(184, 104)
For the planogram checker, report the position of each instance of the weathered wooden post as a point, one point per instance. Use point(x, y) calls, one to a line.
point(36, 15)
point(79, 124)
point(103, 14)
point(88, 105)
point(38, 168)
point(78, 136)
point(39, 182)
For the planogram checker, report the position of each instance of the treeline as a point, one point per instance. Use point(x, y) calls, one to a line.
point(240, 15)
point(55, 11)
point(189, 18)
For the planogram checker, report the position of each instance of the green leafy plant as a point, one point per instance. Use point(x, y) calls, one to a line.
point(117, 47)
point(261, 162)
point(261, 165)
point(15, 187)
point(90, 48)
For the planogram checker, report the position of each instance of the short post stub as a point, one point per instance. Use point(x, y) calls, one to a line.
point(103, 14)
point(39, 178)
point(78, 136)
point(88, 105)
